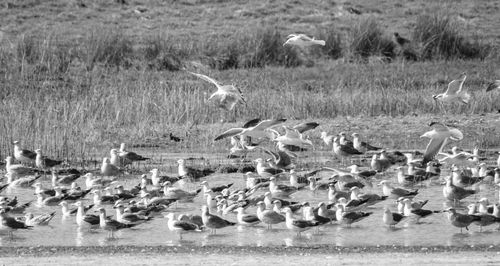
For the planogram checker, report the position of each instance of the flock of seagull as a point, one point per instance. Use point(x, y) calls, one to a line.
point(268, 194)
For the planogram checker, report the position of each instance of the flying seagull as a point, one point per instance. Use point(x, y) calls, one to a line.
point(227, 95)
point(439, 136)
point(302, 40)
point(455, 92)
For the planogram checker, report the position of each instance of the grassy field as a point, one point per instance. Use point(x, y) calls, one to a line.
point(79, 77)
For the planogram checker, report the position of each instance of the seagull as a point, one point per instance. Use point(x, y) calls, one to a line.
point(379, 165)
point(129, 157)
point(302, 40)
point(294, 138)
point(343, 150)
point(327, 139)
point(245, 218)
point(306, 126)
point(493, 85)
point(17, 170)
point(111, 225)
point(226, 95)
point(213, 222)
point(486, 219)
point(461, 220)
point(455, 92)
point(454, 193)
point(281, 159)
point(368, 198)
point(43, 161)
point(391, 218)
point(266, 171)
point(295, 224)
point(127, 217)
point(414, 209)
point(439, 137)
point(63, 180)
point(23, 156)
point(349, 218)
point(174, 193)
point(180, 226)
point(256, 131)
point(397, 192)
point(268, 217)
point(107, 169)
point(41, 219)
point(362, 146)
point(192, 173)
point(280, 190)
point(10, 224)
point(82, 219)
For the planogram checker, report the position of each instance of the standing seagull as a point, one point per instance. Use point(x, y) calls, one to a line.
point(44, 162)
point(391, 218)
point(454, 93)
point(302, 40)
point(213, 222)
point(180, 226)
point(439, 136)
point(129, 157)
point(107, 169)
point(362, 146)
point(227, 95)
point(24, 156)
point(10, 224)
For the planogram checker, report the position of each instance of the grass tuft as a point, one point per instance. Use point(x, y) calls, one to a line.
point(367, 39)
point(441, 37)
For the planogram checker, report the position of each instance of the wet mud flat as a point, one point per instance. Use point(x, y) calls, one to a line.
point(232, 255)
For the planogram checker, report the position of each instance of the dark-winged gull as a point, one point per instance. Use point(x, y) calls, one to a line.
point(246, 218)
point(391, 218)
point(395, 193)
point(180, 226)
point(22, 155)
point(362, 146)
point(297, 225)
point(461, 220)
point(44, 162)
point(213, 222)
point(10, 224)
point(129, 157)
point(257, 131)
point(268, 217)
point(111, 225)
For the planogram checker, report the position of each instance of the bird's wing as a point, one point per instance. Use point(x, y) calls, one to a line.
point(269, 123)
point(493, 85)
point(291, 133)
point(456, 134)
point(291, 36)
point(229, 133)
point(284, 159)
point(455, 86)
point(206, 78)
point(303, 127)
point(252, 123)
point(305, 37)
point(341, 173)
point(434, 147)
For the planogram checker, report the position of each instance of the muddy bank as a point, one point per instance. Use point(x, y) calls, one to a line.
point(321, 255)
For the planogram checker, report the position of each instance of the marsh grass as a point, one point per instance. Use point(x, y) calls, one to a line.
point(442, 37)
point(367, 39)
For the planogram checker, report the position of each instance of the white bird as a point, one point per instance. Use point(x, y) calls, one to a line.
point(391, 218)
point(439, 137)
point(128, 157)
point(327, 139)
point(24, 156)
point(302, 40)
point(107, 169)
point(227, 95)
point(455, 92)
point(41, 219)
point(257, 131)
point(293, 137)
point(180, 226)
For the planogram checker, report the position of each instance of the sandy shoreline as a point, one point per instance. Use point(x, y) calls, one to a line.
point(228, 255)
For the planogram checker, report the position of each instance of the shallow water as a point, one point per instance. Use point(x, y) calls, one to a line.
point(433, 230)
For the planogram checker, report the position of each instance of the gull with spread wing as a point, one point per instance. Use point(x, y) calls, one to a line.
point(302, 40)
point(455, 92)
point(227, 95)
point(439, 137)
